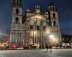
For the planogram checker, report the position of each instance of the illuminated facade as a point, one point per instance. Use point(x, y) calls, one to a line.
point(34, 28)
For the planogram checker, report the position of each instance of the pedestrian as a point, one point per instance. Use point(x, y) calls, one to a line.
point(47, 47)
point(50, 47)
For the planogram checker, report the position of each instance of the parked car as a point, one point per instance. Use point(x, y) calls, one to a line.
point(20, 48)
point(13, 47)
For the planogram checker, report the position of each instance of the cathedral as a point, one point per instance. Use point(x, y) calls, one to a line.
point(34, 28)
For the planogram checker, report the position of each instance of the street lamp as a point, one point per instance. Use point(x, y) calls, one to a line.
point(53, 39)
point(51, 36)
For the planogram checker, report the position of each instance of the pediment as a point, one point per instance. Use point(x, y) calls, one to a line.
point(36, 17)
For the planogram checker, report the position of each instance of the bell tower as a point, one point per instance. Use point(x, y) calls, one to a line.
point(54, 20)
point(53, 14)
point(16, 34)
point(16, 12)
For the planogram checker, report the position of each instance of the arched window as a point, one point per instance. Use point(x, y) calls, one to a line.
point(50, 8)
point(44, 27)
point(14, 2)
point(17, 2)
point(38, 27)
point(31, 26)
point(54, 15)
point(17, 20)
point(23, 20)
point(53, 8)
point(17, 11)
point(54, 23)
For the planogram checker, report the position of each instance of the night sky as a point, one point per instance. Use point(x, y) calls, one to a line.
point(64, 8)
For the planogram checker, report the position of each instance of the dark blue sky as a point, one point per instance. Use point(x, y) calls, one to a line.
point(64, 7)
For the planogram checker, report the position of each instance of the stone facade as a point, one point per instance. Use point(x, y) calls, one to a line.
point(34, 28)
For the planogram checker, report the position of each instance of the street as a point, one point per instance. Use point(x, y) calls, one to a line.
point(36, 53)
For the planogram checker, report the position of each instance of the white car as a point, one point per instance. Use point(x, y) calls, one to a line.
point(20, 48)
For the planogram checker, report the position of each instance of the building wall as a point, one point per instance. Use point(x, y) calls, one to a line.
point(38, 29)
point(17, 33)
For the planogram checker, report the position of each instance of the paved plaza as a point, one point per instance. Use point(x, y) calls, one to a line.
point(36, 53)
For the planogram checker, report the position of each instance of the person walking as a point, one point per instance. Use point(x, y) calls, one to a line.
point(47, 47)
point(50, 47)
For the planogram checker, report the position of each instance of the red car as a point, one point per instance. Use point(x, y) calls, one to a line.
point(13, 47)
